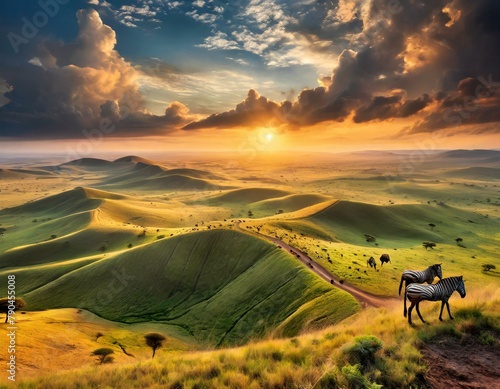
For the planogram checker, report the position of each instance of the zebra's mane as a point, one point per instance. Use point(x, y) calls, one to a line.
point(450, 280)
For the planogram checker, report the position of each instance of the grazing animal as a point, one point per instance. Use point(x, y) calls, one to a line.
point(384, 258)
point(442, 290)
point(372, 263)
point(419, 277)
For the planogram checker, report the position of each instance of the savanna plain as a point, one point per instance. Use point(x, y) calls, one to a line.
point(253, 270)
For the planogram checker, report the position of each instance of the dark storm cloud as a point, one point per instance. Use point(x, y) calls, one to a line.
point(419, 48)
point(254, 109)
point(422, 60)
point(474, 101)
point(68, 87)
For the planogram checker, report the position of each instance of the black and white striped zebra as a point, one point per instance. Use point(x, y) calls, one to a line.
point(440, 291)
point(419, 277)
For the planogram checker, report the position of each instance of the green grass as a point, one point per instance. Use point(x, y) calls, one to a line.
point(400, 225)
point(221, 287)
point(286, 204)
point(248, 195)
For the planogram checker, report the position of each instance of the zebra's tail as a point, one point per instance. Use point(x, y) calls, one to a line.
point(405, 310)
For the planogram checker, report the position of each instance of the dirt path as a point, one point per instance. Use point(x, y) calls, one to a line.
point(464, 363)
point(364, 298)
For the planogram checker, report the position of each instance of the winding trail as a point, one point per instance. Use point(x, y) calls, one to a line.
point(364, 298)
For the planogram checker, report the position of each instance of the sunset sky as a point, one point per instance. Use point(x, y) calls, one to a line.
point(334, 76)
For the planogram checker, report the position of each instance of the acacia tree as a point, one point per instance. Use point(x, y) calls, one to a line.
point(154, 340)
point(103, 355)
point(459, 241)
point(4, 306)
point(432, 225)
point(488, 267)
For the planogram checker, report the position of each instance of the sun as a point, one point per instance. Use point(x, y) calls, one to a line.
point(269, 136)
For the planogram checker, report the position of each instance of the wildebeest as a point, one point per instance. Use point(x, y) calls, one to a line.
point(372, 263)
point(384, 258)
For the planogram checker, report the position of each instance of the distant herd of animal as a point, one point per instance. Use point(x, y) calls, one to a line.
point(416, 292)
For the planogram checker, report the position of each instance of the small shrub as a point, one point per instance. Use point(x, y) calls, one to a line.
point(363, 350)
point(213, 372)
point(473, 321)
point(356, 379)
point(486, 338)
point(130, 245)
point(370, 238)
point(53, 236)
point(160, 237)
point(277, 356)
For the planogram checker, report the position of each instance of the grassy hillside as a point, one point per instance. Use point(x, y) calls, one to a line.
point(248, 195)
point(60, 205)
point(476, 173)
point(220, 287)
point(332, 358)
point(46, 227)
point(399, 225)
point(287, 204)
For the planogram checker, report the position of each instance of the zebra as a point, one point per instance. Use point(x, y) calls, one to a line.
point(372, 263)
point(384, 258)
point(419, 277)
point(442, 290)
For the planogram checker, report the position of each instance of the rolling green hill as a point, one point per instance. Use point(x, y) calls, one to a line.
point(288, 203)
point(248, 195)
point(477, 173)
point(401, 225)
point(221, 287)
point(33, 231)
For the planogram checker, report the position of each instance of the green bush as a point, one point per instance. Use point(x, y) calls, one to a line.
point(277, 356)
point(356, 379)
point(363, 350)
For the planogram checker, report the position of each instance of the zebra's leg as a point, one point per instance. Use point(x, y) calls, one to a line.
point(449, 313)
point(441, 311)
point(419, 315)
point(409, 313)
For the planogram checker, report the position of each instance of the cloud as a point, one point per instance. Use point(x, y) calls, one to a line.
point(387, 107)
point(255, 109)
point(474, 101)
point(404, 53)
point(69, 87)
point(219, 41)
point(143, 11)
